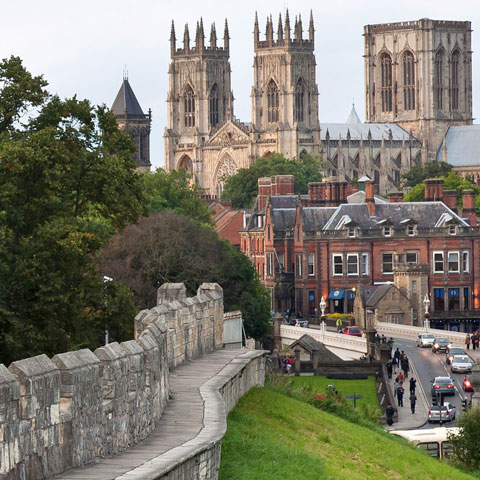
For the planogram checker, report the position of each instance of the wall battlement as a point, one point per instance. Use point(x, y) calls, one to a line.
point(68, 411)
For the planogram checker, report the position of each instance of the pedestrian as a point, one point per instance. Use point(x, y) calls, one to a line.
point(413, 384)
point(396, 355)
point(400, 377)
point(400, 392)
point(467, 341)
point(389, 415)
point(413, 400)
point(396, 384)
point(405, 366)
point(394, 364)
point(389, 368)
point(383, 338)
point(474, 345)
point(339, 325)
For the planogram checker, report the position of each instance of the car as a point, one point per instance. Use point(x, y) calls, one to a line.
point(440, 344)
point(461, 364)
point(442, 385)
point(425, 340)
point(466, 385)
point(302, 323)
point(353, 330)
point(452, 351)
point(441, 413)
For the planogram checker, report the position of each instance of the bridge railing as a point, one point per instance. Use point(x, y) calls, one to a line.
point(409, 332)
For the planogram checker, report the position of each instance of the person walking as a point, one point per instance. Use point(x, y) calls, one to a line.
point(405, 366)
point(400, 377)
point(396, 357)
point(474, 345)
point(400, 392)
point(389, 368)
point(413, 401)
point(396, 384)
point(389, 415)
point(467, 341)
point(413, 384)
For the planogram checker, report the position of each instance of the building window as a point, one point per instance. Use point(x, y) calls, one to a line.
point(439, 299)
point(466, 261)
point(408, 81)
point(454, 299)
point(386, 82)
point(189, 104)
point(351, 232)
point(466, 297)
point(411, 230)
point(213, 105)
point(281, 261)
point(311, 264)
point(411, 257)
point(414, 287)
point(365, 264)
point(387, 231)
point(453, 262)
point(455, 83)
point(439, 61)
point(299, 96)
point(414, 316)
point(337, 265)
point(269, 264)
point(452, 229)
point(396, 176)
point(437, 262)
point(272, 102)
point(387, 262)
point(299, 269)
point(352, 264)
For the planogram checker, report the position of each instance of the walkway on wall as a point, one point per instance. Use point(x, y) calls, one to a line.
point(181, 421)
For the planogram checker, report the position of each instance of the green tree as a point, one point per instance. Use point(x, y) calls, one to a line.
point(242, 188)
point(419, 173)
point(174, 191)
point(466, 444)
point(168, 247)
point(67, 182)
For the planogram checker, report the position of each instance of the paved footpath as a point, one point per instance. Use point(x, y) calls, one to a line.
point(181, 421)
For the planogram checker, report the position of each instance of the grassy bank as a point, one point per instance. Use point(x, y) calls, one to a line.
point(273, 436)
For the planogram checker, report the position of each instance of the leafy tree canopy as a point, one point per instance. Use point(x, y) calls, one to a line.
point(466, 444)
point(167, 247)
point(242, 188)
point(174, 191)
point(67, 182)
point(419, 173)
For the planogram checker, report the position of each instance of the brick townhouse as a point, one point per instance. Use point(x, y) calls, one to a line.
point(332, 244)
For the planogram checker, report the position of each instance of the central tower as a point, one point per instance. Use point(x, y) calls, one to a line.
point(285, 92)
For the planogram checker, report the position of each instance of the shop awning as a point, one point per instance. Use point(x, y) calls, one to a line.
point(336, 294)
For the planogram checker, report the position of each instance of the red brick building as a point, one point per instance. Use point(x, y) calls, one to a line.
point(309, 246)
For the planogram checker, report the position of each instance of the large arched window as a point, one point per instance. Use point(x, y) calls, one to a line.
point(272, 102)
point(213, 104)
point(455, 79)
point(438, 81)
point(189, 100)
point(386, 82)
point(408, 81)
point(299, 100)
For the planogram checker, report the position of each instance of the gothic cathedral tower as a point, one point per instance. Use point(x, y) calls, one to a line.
point(199, 98)
point(419, 74)
point(285, 93)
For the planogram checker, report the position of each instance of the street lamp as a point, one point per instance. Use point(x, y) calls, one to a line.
point(426, 304)
point(105, 281)
point(323, 306)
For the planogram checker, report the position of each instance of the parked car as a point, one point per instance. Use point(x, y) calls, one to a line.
point(442, 385)
point(440, 344)
point(441, 413)
point(302, 323)
point(461, 364)
point(425, 340)
point(352, 330)
point(452, 351)
point(467, 386)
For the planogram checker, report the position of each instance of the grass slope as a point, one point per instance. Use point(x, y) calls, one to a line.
point(272, 436)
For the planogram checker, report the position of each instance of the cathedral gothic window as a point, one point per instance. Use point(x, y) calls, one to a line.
point(386, 82)
point(439, 61)
point(455, 74)
point(272, 102)
point(408, 81)
point(213, 110)
point(189, 99)
point(299, 100)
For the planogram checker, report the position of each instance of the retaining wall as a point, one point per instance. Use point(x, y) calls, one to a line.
point(67, 411)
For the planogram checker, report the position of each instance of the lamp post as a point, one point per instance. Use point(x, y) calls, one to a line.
point(105, 280)
point(323, 306)
point(426, 304)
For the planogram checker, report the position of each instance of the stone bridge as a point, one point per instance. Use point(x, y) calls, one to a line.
point(153, 407)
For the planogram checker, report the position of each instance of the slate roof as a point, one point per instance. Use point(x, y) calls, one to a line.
point(463, 146)
point(309, 344)
point(283, 201)
point(353, 117)
point(126, 101)
point(315, 218)
point(360, 130)
point(373, 294)
point(359, 197)
point(283, 219)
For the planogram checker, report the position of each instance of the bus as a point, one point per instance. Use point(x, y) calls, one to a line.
point(433, 440)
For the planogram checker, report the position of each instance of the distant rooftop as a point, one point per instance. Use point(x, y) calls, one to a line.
point(463, 146)
point(126, 102)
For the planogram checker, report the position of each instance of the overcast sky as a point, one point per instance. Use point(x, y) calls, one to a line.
point(82, 47)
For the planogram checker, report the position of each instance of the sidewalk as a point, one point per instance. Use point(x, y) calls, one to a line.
point(406, 419)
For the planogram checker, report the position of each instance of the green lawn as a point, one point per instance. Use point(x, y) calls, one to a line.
point(271, 436)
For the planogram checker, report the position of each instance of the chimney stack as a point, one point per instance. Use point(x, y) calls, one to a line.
point(316, 194)
point(450, 199)
point(370, 197)
point(395, 197)
point(468, 199)
point(434, 190)
point(264, 190)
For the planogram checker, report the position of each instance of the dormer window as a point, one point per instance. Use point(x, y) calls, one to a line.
point(260, 221)
point(452, 229)
point(411, 230)
point(387, 231)
point(351, 232)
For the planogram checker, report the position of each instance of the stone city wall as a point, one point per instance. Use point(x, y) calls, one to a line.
point(65, 412)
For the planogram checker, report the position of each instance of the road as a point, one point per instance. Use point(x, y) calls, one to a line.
point(428, 366)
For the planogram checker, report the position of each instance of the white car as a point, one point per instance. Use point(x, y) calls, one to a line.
point(443, 413)
point(425, 340)
point(461, 364)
